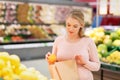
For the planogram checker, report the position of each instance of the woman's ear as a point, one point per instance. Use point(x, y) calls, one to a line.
point(80, 28)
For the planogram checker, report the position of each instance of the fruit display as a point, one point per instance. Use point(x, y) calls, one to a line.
point(24, 22)
point(14, 33)
point(114, 57)
point(58, 29)
point(108, 44)
point(38, 32)
point(48, 14)
point(61, 12)
point(22, 12)
point(11, 68)
point(10, 13)
point(21, 33)
point(36, 14)
point(2, 12)
point(27, 13)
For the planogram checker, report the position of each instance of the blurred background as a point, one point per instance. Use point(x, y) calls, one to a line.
point(28, 29)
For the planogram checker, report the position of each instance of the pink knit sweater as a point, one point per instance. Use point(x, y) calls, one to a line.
point(85, 47)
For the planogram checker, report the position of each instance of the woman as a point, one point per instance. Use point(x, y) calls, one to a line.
point(74, 45)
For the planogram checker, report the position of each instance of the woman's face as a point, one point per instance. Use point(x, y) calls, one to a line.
point(72, 26)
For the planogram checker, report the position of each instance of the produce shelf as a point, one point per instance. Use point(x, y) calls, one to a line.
point(29, 41)
point(109, 66)
point(57, 2)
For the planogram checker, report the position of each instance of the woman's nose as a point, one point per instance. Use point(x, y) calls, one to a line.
point(70, 28)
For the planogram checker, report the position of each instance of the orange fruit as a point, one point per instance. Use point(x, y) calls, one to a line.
point(52, 58)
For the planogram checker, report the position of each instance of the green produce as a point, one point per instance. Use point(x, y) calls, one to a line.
point(118, 31)
point(118, 48)
point(100, 56)
point(7, 38)
point(113, 50)
point(108, 32)
point(107, 42)
point(102, 47)
point(116, 42)
point(114, 36)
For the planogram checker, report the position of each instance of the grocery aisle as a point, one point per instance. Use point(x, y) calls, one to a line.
point(40, 65)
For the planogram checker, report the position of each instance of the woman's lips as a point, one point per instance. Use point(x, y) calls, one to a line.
point(70, 32)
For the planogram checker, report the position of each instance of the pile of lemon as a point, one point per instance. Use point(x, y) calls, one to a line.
point(114, 57)
point(12, 69)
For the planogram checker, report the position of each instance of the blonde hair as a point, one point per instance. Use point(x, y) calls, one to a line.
point(78, 15)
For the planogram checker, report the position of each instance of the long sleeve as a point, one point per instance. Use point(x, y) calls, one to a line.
point(93, 64)
point(54, 48)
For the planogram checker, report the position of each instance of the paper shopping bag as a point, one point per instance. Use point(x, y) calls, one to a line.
point(64, 70)
point(53, 72)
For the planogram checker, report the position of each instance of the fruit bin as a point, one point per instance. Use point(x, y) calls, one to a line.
point(112, 67)
point(11, 68)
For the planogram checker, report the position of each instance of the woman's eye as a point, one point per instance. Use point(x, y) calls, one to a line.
point(68, 25)
point(75, 26)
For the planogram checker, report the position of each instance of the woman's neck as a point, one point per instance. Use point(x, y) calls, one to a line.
point(72, 38)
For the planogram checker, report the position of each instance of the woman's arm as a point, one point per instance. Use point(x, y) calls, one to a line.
point(54, 48)
point(93, 64)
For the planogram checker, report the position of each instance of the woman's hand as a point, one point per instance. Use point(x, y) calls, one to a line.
point(47, 55)
point(51, 58)
point(80, 60)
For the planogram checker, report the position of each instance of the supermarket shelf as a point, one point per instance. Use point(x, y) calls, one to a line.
point(54, 2)
point(110, 67)
point(28, 41)
point(47, 24)
point(28, 51)
point(22, 46)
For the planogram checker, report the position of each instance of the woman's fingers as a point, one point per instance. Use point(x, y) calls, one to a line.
point(47, 55)
point(77, 57)
point(80, 60)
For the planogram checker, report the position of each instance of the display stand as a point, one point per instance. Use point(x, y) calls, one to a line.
point(107, 72)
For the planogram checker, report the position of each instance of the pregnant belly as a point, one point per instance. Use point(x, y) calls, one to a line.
point(85, 74)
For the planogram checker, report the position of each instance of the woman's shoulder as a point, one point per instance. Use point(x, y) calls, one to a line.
point(88, 39)
point(59, 38)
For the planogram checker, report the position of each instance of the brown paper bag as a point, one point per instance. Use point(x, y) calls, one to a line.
point(64, 70)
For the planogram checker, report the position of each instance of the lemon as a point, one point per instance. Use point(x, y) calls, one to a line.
point(6, 71)
point(7, 77)
point(0, 74)
point(19, 69)
point(2, 64)
point(31, 69)
point(15, 77)
point(26, 75)
point(4, 56)
point(15, 60)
